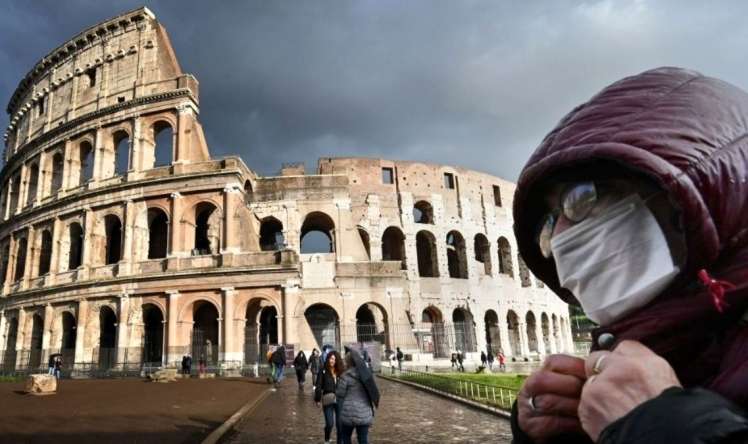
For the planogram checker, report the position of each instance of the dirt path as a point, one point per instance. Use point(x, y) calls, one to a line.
point(122, 411)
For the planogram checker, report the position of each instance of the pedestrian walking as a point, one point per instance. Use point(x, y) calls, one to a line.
point(278, 359)
point(483, 358)
point(453, 360)
point(58, 366)
point(502, 361)
point(186, 365)
point(490, 359)
point(356, 405)
point(51, 364)
point(460, 367)
point(300, 364)
point(271, 366)
point(314, 365)
point(393, 363)
point(400, 357)
point(324, 393)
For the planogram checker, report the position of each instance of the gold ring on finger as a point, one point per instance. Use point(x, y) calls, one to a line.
point(598, 367)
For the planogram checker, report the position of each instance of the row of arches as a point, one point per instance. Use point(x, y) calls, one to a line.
point(40, 181)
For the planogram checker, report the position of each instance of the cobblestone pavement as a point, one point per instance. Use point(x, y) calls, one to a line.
point(406, 415)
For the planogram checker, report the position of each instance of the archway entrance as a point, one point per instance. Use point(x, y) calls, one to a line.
point(371, 324)
point(67, 341)
point(532, 337)
point(205, 332)
point(107, 338)
point(464, 330)
point(153, 335)
point(433, 322)
point(323, 321)
point(35, 352)
point(512, 321)
point(493, 341)
point(9, 357)
point(260, 331)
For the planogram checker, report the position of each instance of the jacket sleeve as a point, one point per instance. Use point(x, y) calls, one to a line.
point(520, 437)
point(687, 416)
point(318, 387)
point(342, 390)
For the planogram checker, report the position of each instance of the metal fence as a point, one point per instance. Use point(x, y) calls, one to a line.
point(491, 395)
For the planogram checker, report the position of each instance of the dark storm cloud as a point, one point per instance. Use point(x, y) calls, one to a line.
point(476, 84)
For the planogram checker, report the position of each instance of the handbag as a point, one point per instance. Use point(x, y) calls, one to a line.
point(328, 399)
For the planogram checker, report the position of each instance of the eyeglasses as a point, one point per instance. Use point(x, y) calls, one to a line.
point(576, 202)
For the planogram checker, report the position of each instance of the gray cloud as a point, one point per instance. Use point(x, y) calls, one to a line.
point(473, 83)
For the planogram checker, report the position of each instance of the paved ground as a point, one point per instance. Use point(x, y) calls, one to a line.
point(122, 410)
point(406, 415)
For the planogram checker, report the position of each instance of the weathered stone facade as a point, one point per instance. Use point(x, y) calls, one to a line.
point(121, 240)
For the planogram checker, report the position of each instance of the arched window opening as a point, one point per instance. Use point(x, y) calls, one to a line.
point(456, 256)
point(121, 153)
point(21, 259)
point(512, 321)
point(493, 340)
point(75, 258)
point(423, 213)
point(269, 326)
point(317, 234)
point(113, 227)
point(4, 261)
point(271, 234)
point(35, 352)
point(260, 331)
point(9, 357)
point(67, 340)
point(158, 233)
point(163, 138)
point(545, 327)
point(58, 165)
point(436, 341)
point(427, 258)
point(33, 184)
point(365, 241)
point(393, 246)
point(247, 186)
point(207, 229)
point(15, 193)
point(464, 327)
point(483, 253)
point(45, 255)
point(505, 258)
point(86, 162)
point(371, 324)
point(524, 272)
point(205, 332)
point(324, 323)
point(153, 335)
point(532, 337)
point(107, 352)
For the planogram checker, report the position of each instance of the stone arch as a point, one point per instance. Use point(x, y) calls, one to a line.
point(483, 253)
point(58, 166)
point(393, 246)
point(113, 233)
point(107, 344)
point(75, 246)
point(205, 336)
point(153, 334)
point(164, 137)
point(324, 322)
point(513, 329)
point(33, 184)
point(86, 157)
point(545, 329)
point(532, 337)
point(372, 324)
point(65, 340)
point(45, 253)
point(505, 257)
point(121, 143)
point(464, 328)
point(207, 217)
point(15, 192)
point(524, 272)
point(365, 241)
point(317, 233)
point(261, 329)
point(4, 262)
point(428, 264)
point(35, 341)
point(493, 337)
point(271, 234)
point(158, 233)
point(433, 323)
point(423, 212)
point(456, 255)
point(21, 252)
point(11, 344)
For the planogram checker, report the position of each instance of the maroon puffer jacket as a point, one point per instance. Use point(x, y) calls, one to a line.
point(689, 133)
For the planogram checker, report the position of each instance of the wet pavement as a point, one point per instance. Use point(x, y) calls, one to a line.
point(406, 415)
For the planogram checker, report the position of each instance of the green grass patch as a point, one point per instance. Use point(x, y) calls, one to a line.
point(508, 380)
point(14, 378)
point(495, 390)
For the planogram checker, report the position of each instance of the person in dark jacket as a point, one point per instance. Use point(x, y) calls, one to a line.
point(300, 364)
point(324, 392)
point(314, 365)
point(635, 208)
point(460, 367)
point(278, 359)
point(483, 358)
point(490, 359)
point(355, 407)
point(400, 357)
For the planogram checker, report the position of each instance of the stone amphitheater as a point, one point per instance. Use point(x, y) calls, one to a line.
point(123, 243)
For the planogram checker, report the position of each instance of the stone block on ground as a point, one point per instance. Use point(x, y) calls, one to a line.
point(207, 375)
point(164, 375)
point(41, 384)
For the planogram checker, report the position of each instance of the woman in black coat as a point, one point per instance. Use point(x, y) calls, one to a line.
point(300, 364)
point(314, 365)
point(324, 392)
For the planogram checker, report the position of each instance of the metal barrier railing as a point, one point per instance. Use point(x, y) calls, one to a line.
point(492, 395)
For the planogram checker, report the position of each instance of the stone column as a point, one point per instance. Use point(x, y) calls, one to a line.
point(504, 333)
point(9, 191)
point(539, 335)
point(3, 332)
point(54, 265)
point(122, 336)
point(523, 340)
point(230, 238)
point(10, 269)
point(98, 151)
point(42, 178)
point(47, 332)
point(289, 292)
point(184, 122)
point(30, 252)
point(125, 265)
point(176, 247)
point(569, 337)
point(67, 165)
point(20, 337)
point(136, 162)
point(80, 332)
point(88, 239)
point(22, 187)
point(230, 352)
point(173, 353)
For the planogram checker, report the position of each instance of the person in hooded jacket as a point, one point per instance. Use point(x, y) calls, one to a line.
point(314, 365)
point(635, 207)
point(278, 359)
point(300, 364)
point(355, 407)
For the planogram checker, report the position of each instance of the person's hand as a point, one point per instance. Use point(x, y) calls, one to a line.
point(317, 404)
point(620, 380)
point(548, 400)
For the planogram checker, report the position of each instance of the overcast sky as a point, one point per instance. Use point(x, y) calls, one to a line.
point(470, 83)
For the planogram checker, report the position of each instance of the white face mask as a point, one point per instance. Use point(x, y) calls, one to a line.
point(615, 262)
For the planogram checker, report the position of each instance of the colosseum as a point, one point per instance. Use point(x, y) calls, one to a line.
point(124, 244)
